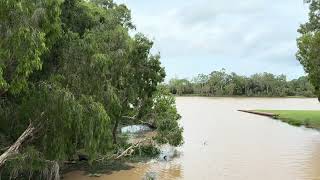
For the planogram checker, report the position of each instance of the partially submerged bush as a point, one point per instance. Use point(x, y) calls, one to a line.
point(167, 118)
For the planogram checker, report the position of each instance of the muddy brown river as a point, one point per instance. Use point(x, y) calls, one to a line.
point(224, 144)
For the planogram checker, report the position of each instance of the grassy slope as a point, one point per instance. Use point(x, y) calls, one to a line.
point(309, 119)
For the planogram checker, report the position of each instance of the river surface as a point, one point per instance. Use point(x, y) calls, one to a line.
point(224, 144)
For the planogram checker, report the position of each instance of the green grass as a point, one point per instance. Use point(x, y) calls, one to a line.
point(310, 119)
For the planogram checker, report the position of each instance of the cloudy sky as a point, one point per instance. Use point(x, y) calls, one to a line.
point(242, 36)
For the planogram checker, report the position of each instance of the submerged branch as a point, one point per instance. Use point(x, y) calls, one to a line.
point(126, 152)
point(131, 149)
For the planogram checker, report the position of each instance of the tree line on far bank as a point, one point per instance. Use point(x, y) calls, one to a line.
point(221, 83)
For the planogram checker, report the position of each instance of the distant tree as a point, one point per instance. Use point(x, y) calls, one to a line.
point(180, 86)
point(201, 84)
point(217, 82)
point(300, 87)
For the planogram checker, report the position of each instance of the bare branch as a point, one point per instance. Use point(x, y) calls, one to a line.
point(126, 152)
point(130, 149)
point(14, 148)
point(129, 117)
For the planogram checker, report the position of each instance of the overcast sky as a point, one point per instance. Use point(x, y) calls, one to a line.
point(242, 36)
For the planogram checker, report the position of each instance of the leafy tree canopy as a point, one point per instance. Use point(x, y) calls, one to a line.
point(308, 45)
point(71, 70)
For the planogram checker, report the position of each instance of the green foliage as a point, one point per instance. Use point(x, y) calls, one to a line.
point(26, 164)
point(27, 30)
point(80, 16)
point(220, 83)
point(65, 123)
point(300, 87)
point(166, 118)
point(309, 43)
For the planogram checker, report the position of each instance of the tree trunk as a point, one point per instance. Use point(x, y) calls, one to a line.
point(2, 93)
point(317, 92)
point(114, 131)
point(14, 148)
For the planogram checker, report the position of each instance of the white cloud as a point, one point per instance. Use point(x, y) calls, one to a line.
point(222, 33)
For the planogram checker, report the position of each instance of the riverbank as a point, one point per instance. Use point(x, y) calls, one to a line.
point(307, 118)
point(139, 149)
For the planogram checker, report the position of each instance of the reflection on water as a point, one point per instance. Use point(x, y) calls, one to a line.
point(222, 143)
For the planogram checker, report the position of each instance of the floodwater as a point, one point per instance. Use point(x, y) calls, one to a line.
point(224, 144)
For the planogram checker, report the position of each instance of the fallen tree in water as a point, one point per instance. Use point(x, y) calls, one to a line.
point(52, 170)
point(14, 148)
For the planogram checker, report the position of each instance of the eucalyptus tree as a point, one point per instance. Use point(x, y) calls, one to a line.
point(217, 82)
point(201, 84)
point(308, 45)
point(57, 122)
point(70, 73)
point(180, 86)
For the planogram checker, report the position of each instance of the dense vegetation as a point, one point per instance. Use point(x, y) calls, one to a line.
point(220, 83)
point(309, 45)
point(70, 75)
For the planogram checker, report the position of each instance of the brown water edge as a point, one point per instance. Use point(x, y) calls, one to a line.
point(168, 170)
point(222, 143)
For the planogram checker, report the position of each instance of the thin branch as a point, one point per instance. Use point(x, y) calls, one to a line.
point(130, 117)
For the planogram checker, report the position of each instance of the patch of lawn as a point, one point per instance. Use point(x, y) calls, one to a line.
point(310, 119)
